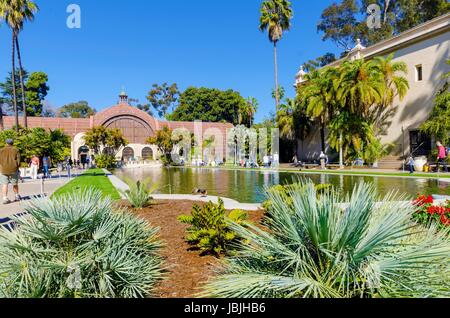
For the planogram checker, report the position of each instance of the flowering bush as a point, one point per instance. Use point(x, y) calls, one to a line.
point(428, 212)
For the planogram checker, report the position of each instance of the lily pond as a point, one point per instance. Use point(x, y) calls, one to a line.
point(249, 186)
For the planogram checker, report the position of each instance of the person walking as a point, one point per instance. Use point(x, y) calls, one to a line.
point(9, 170)
point(411, 164)
point(69, 163)
point(34, 165)
point(442, 157)
point(46, 166)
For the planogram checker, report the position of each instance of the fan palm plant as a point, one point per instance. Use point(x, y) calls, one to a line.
point(78, 246)
point(276, 16)
point(395, 84)
point(316, 246)
point(140, 193)
point(359, 87)
point(319, 95)
point(16, 13)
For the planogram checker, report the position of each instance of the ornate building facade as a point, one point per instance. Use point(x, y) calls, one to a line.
point(136, 126)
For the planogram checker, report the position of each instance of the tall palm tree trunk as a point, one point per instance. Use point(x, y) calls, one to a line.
point(277, 93)
point(22, 86)
point(322, 136)
point(13, 79)
point(2, 126)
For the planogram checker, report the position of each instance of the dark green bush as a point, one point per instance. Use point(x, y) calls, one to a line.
point(209, 230)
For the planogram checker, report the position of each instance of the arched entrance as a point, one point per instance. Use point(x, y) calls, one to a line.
point(83, 154)
point(128, 154)
point(147, 153)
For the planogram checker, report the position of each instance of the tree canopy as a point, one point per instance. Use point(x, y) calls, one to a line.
point(162, 98)
point(36, 91)
point(345, 21)
point(101, 138)
point(79, 109)
point(209, 104)
point(39, 142)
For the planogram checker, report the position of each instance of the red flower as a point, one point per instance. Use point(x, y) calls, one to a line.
point(445, 220)
point(437, 210)
point(423, 200)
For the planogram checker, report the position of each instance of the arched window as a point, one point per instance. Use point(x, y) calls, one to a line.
point(147, 153)
point(128, 154)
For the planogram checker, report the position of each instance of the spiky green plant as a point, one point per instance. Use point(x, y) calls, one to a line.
point(319, 247)
point(140, 193)
point(79, 246)
point(208, 230)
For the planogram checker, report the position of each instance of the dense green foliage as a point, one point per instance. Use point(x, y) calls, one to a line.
point(165, 141)
point(345, 21)
point(79, 246)
point(39, 142)
point(207, 104)
point(36, 90)
point(140, 193)
point(209, 230)
point(317, 246)
point(102, 138)
point(105, 161)
point(79, 109)
point(93, 178)
point(355, 102)
point(438, 124)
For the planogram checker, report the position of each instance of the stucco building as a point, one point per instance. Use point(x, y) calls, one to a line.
point(425, 50)
point(136, 125)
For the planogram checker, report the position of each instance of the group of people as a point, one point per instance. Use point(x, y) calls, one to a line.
point(10, 162)
point(271, 161)
point(442, 156)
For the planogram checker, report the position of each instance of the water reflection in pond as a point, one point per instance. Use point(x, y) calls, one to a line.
point(249, 186)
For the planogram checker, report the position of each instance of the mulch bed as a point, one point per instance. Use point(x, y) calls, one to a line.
point(187, 270)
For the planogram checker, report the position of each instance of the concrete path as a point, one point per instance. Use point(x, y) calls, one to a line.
point(228, 203)
point(30, 189)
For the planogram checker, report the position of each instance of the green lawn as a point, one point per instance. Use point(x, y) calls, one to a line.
point(93, 178)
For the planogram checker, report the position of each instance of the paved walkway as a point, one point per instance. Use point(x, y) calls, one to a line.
point(28, 190)
point(229, 204)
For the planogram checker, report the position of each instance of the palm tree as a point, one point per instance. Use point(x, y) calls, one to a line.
point(395, 84)
point(359, 86)
point(16, 13)
point(319, 95)
point(275, 17)
point(250, 109)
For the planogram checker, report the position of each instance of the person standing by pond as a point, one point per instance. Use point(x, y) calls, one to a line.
point(442, 157)
point(411, 164)
point(68, 166)
point(9, 170)
point(46, 166)
point(34, 165)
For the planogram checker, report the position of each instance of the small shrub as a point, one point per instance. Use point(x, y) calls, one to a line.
point(209, 230)
point(105, 161)
point(79, 246)
point(140, 193)
point(427, 212)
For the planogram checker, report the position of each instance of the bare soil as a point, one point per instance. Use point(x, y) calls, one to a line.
point(187, 270)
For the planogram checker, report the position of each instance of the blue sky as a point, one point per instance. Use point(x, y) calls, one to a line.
point(135, 43)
